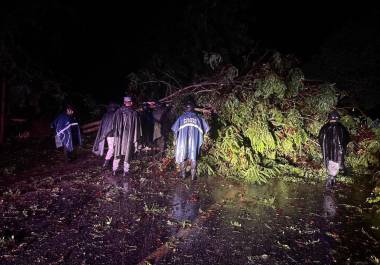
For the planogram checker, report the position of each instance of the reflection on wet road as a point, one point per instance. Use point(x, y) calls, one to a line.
point(185, 204)
point(281, 223)
point(329, 204)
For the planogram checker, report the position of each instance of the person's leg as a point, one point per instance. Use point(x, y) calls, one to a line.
point(342, 166)
point(68, 155)
point(115, 165)
point(126, 167)
point(193, 169)
point(182, 168)
point(160, 144)
point(333, 169)
point(109, 152)
point(110, 142)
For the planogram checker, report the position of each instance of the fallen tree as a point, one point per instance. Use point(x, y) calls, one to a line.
point(265, 123)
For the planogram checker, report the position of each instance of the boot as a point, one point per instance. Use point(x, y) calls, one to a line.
point(106, 164)
point(182, 168)
point(193, 170)
point(68, 156)
point(343, 170)
point(193, 174)
point(330, 182)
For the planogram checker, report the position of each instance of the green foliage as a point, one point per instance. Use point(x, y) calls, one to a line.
point(271, 131)
point(294, 82)
point(271, 85)
point(313, 126)
point(236, 112)
point(262, 141)
point(364, 155)
point(350, 122)
point(324, 101)
point(254, 138)
point(282, 64)
point(376, 131)
point(374, 197)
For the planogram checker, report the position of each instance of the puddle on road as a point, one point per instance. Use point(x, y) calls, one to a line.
point(278, 223)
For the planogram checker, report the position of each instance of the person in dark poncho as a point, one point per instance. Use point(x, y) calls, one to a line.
point(333, 139)
point(105, 133)
point(147, 124)
point(127, 134)
point(189, 130)
point(67, 132)
point(161, 127)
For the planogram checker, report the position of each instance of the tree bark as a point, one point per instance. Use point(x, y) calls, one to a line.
point(91, 124)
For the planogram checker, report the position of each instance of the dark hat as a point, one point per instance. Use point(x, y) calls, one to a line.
point(112, 106)
point(189, 105)
point(69, 106)
point(334, 116)
point(127, 99)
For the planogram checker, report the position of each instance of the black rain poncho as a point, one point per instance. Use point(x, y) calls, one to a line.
point(161, 125)
point(105, 130)
point(147, 125)
point(127, 132)
point(333, 139)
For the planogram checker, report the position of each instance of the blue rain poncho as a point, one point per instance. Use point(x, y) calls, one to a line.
point(67, 132)
point(189, 130)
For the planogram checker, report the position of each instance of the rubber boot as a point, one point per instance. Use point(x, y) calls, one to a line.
point(193, 170)
point(343, 170)
point(68, 156)
point(106, 164)
point(182, 167)
point(330, 182)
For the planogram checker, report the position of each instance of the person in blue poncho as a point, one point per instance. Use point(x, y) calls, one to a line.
point(67, 132)
point(189, 130)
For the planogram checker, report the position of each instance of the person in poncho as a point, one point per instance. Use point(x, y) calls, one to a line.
point(189, 130)
point(67, 132)
point(127, 134)
point(161, 127)
point(105, 133)
point(333, 139)
point(147, 124)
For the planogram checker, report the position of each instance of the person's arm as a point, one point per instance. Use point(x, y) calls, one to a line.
point(321, 135)
point(175, 129)
point(205, 126)
point(138, 132)
point(113, 124)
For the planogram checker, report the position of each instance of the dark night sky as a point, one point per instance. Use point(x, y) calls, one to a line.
point(96, 45)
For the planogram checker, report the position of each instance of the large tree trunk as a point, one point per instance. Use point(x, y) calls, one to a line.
point(2, 112)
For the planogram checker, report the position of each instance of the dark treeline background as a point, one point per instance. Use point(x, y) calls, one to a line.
point(54, 51)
